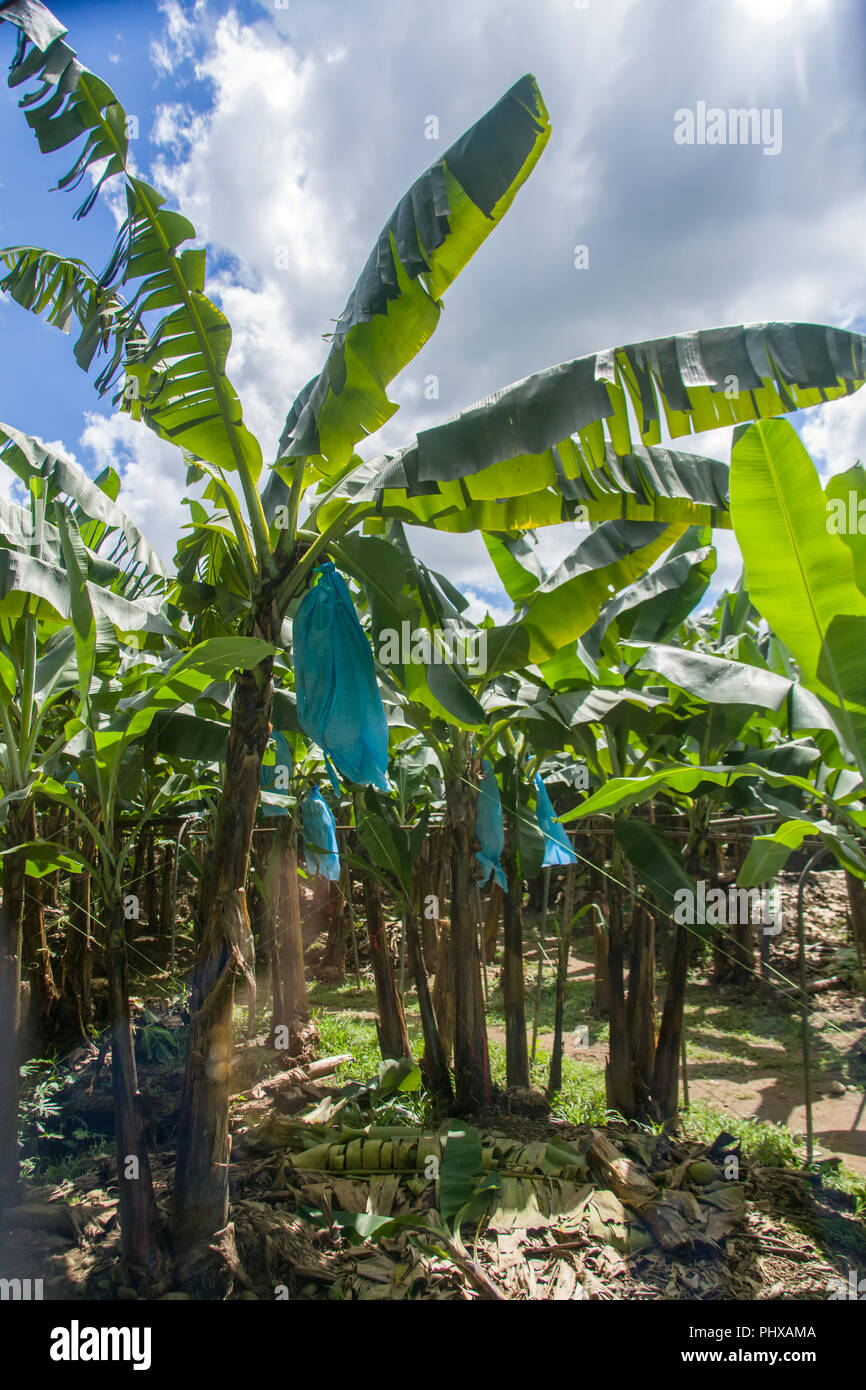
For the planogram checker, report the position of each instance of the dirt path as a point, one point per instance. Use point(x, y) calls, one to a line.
point(772, 1087)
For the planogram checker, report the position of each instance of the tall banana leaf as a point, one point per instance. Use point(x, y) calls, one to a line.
point(29, 459)
point(178, 381)
point(63, 288)
point(511, 461)
point(569, 600)
point(621, 793)
point(775, 367)
point(523, 493)
point(846, 516)
point(395, 306)
point(801, 576)
point(656, 604)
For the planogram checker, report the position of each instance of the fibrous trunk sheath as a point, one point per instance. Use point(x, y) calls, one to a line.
point(513, 984)
point(471, 1065)
point(393, 1036)
point(620, 1086)
point(224, 951)
point(434, 1065)
point(291, 1010)
point(138, 1238)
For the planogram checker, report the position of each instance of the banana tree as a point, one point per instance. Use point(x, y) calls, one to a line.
point(508, 464)
point(290, 776)
point(108, 730)
point(806, 569)
point(40, 689)
point(692, 785)
point(522, 859)
point(393, 851)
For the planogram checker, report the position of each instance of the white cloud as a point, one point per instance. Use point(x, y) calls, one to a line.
point(314, 126)
point(728, 567)
point(771, 12)
point(248, 174)
point(151, 472)
point(835, 434)
point(180, 34)
point(479, 607)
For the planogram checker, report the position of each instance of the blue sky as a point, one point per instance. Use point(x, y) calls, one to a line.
point(112, 39)
point(301, 126)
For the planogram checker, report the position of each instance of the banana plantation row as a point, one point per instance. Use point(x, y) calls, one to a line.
point(257, 678)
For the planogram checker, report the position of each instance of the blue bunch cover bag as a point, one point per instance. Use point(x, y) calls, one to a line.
point(339, 704)
point(557, 849)
point(489, 828)
point(274, 800)
point(320, 836)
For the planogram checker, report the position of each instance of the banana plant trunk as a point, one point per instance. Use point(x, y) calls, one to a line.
point(513, 983)
point(666, 1069)
point(618, 1075)
point(597, 890)
point(166, 896)
point(601, 960)
point(425, 897)
point(857, 907)
point(11, 926)
point(667, 1058)
point(443, 990)
point(75, 1005)
point(563, 943)
point(434, 1064)
point(225, 950)
point(641, 1007)
point(139, 1247)
point(333, 962)
point(391, 1025)
point(151, 896)
point(35, 954)
point(471, 1062)
point(291, 1020)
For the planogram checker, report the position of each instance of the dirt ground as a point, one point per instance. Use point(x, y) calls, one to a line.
point(770, 1233)
point(786, 1236)
point(768, 1093)
point(744, 1047)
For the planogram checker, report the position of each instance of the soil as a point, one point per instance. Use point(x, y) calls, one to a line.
point(770, 1086)
point(790, 1238)
point(777, 1234)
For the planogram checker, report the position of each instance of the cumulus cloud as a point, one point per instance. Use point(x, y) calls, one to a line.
point(151, 474)
point(479, 608)
point(835, 434)
point(180, 34)
point(305, 125)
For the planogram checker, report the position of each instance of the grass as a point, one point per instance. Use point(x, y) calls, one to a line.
point(582, 1100)
point(772, 1144)
point(344, 996)
point(578, 1005)
point(734, 1039)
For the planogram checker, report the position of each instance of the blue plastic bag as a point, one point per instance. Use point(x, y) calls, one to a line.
point(274, 800)
point(339, 704)
point(489, 828)
point(557, 849)
point(320, 836)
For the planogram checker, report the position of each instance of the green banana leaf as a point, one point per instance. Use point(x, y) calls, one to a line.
point(433, 232)
point(800, 575)
point(514, 460)
point(768, 854)
point(622, 792)
point(176, 377)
